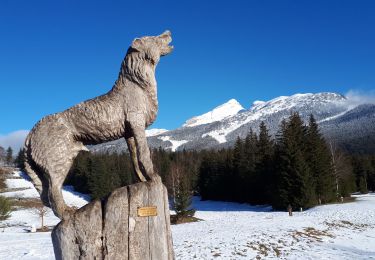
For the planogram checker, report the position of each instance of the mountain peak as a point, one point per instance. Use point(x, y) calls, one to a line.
point(155, 131)
point(284, 102)
point(229, 108)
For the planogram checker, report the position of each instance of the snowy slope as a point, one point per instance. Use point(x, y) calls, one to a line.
point(174, 143)
point(221, 112)
point(28, 191)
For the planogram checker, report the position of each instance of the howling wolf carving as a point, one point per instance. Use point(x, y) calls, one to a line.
point(125, 111)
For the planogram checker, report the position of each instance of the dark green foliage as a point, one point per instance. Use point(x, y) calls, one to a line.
point(5, 208)
point(99, 174)
point(319, 161)
point(216, 176)
point(342, 172)
point(264, 166)
point(295, 182)
point(364, 170)
point(298, 168)
point(9, 156)
point(20, 159)
point(162, 162)
point(371, 175)
point(181, 191)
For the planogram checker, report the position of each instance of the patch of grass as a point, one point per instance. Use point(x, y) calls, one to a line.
point(43, 229)
point(216, 255)
point(5, 173)
point(6, 170)
point(5, 208)
point(3, 186)
point(263, 249)
point(349, 199)
point(180, 220)
point(311, 234)
point(346, 224)
point(27, 203)
point(277, 251)
point(345, 200)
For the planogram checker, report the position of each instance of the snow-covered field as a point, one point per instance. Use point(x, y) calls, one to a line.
point(228, 231)
point(235, 231)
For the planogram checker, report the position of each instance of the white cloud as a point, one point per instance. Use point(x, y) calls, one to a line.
point(14, 139)
point(358, 97)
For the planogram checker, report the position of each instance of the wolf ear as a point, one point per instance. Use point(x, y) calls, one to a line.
point(136, 44)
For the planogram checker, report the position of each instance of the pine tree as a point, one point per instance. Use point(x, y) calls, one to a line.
point(282, 178)
point(371, 175)
point(9, 156)
point(239, 171)
point(20, 159)
point(319, 161)
point(248, 185)
point(182, 194)
point(345, 182)
point(295, 184)
point(264, 166)
point(361, 168)
point(2, 154)
point(207, 181)
point(99, 183)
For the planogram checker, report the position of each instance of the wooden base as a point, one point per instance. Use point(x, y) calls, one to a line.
point(113, 229)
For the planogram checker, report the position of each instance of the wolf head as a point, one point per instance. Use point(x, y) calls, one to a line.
point(153, 47)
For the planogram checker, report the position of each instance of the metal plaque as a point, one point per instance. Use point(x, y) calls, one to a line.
point(150, 211)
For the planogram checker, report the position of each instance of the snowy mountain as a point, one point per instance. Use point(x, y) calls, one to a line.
point(339, 119)
point(226, 110)
point(155, 131)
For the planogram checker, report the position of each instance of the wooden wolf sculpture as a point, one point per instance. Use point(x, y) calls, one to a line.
point(125, 111)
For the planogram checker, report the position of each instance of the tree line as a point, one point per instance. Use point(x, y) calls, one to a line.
point(294, 169)
point(297, 167)
point(6, 156)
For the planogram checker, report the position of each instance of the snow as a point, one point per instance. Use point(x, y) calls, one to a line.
point(335, 116)
point(235, 231)
point(220, 134)
point(29, 193)
point(258, 103)
point(175, 143)
point(74, 198)
point(232, 231)
point(18, 183)
point(71, 197)
point(155, 131)
point(261, 109)
point(16, 242)
point(221, 112)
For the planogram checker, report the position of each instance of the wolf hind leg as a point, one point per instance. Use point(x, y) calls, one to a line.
point(56, 200)
point(57, 173)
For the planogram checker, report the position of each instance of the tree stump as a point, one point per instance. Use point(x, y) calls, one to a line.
point(124, 226)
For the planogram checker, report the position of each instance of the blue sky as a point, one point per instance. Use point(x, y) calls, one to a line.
point(54, 54)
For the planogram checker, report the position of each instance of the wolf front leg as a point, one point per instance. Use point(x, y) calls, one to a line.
point(137, 125)
point(134, 157)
